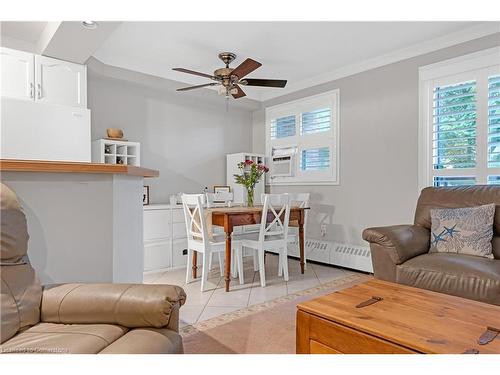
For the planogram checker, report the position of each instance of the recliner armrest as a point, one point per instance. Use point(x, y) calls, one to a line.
point(128, 305)
point(402, 242)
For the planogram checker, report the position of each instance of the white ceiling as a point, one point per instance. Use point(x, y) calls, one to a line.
point(304, 53)
point(26, 31)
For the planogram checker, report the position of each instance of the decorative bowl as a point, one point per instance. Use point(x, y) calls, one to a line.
point(114, 133)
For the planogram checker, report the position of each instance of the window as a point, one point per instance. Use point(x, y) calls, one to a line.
point(316, 121)
point(283, 127)
point(302, 139)
point(315, 159)
point(493, 180)
point(494, 122)
point(460, 121)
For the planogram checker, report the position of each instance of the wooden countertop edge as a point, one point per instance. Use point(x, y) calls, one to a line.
point(74, 167)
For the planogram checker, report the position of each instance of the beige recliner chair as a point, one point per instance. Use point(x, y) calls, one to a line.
point(77, 318)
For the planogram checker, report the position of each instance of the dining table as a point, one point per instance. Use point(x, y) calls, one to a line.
point(230, 217)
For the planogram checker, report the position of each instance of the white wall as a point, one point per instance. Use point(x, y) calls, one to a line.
point(186, 136)
point(82, 227)
point(378, 147)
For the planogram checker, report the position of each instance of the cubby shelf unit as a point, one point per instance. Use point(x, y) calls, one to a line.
point(108, 151)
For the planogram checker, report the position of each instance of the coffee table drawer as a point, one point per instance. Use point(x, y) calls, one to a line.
point(347, 340)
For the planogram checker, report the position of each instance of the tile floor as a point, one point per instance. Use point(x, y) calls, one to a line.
point(215, 301)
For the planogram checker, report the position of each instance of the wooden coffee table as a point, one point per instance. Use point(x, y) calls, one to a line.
point(406, 320)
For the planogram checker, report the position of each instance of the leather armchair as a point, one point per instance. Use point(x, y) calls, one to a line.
point(400, 253)
point(78, 318)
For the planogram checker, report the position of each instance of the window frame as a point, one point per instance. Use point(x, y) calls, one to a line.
point(478, 66)
point(330, 139)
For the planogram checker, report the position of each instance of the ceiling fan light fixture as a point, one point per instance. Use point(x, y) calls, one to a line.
point(90, 25)
point(229, 79)
point(222, 90)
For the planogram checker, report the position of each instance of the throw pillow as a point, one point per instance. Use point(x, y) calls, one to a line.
point(466, 230)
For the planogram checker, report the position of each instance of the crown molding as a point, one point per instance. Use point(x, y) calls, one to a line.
point(449, 40)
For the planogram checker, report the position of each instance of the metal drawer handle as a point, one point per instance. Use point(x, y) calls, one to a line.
point(39, 94)
point(369, 302)
point(32, 90)
point(488, 335)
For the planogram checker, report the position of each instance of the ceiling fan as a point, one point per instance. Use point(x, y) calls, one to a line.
point(230, 79)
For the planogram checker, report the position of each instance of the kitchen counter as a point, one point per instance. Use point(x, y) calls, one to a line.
point(7, 165)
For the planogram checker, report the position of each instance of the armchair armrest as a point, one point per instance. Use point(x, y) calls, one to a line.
point(394, 245)
point(402, 242)
point(128, 305)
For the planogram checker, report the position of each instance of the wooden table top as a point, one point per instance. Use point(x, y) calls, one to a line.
point(418, 319)
point(244, 209)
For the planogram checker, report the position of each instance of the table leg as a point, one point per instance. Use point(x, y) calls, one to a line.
point(227, 276)
point(301, 246)
point(195, 261)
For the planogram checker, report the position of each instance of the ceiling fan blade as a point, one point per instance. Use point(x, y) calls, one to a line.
point(197, 87)
point(240, 93)
point(195, 73)
point(264, 82)
point(245, 68)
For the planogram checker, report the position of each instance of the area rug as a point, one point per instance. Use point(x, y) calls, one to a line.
point(268, 327)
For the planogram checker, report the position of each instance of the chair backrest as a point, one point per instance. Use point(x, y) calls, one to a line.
point(223, 197)
point(301, 200)
point(275, 216)
point(461, 196)
point(196, 227)
point(20, 288)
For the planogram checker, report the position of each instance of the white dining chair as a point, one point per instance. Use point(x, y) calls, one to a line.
point(198, 237)
point(299, 200)
point(219, 199)
point(273, 234)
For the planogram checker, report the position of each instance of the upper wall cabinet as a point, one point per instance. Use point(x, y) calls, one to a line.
point(60, 82)
point(18, 74)
point(43, 79)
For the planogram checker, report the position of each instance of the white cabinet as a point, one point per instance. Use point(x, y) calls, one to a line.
point(165, 241)
point(60, 82)
point(17, 69)
point(42, 79)
point(34, 131)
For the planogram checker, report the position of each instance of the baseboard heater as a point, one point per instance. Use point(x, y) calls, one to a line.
point(338, 254)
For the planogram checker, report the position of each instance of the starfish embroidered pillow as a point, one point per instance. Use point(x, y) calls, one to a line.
point(466, 230)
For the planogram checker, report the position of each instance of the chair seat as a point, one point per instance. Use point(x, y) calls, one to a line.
point(252, 240)
point(465, 276)
point(64, 338)
point(147, 341)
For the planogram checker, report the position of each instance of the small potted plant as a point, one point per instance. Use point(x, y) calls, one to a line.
point(250, 175)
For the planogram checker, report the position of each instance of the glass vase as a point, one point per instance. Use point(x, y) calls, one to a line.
point(250, 193)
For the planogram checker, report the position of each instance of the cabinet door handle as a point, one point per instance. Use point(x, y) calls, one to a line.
point(32, 90)
point(39, 94)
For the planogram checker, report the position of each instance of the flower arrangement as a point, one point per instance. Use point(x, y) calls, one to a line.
point(250, 175)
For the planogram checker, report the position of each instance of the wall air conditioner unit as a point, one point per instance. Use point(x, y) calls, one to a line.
point(283, 162)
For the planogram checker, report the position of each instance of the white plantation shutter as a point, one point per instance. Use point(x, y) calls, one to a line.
point(494, 122)
point(316, 121)
point(461, 129)
point(315, 159)
point(453, 181)
point(493, 180)
point(283, 127)
point(454, 133)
